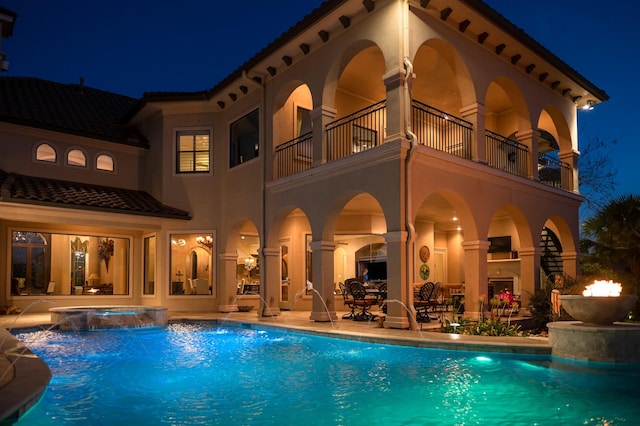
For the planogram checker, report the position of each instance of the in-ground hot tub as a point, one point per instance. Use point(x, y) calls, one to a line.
point(99, 317)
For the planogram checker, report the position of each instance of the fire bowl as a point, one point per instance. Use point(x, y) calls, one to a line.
point(594, 310)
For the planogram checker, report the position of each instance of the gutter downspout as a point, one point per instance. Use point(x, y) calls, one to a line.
point(411, 230)
point(266, 311)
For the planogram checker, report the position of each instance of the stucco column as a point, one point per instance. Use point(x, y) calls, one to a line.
point(529, 272)
point(227, 288)
point(530, 138)
point(476, 114)
point(476, 279)
point(323, 308)
point(270, 274)
point(399, 295)
point(396, 109)
point(320, 117)
point(570, 158)
point(570, 264)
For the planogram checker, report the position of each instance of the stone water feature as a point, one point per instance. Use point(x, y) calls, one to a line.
point(598, 334)
point(102, 317)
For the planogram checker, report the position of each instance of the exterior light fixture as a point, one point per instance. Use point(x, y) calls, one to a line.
point(588, 106)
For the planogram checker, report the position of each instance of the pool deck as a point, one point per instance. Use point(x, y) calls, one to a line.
point(18, 389)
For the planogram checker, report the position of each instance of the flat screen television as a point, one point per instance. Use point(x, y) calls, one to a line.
point(376, 271)
point(500, 244)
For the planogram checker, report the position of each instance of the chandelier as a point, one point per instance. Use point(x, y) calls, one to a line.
point(249, 263)
point(206, 241)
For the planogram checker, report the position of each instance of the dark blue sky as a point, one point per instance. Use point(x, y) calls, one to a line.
point(130, 47)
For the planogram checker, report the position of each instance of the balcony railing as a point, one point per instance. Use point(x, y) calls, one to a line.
point(293, 156)
point(507, 154)
point(356, 132)
point(553, 172)
point(440, 130)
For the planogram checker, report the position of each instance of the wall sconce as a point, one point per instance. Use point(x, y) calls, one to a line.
point(249, 263)
point(588, 106)
point(179, 242)
point(206, 241)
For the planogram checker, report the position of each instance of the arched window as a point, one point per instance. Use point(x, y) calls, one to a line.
point(104, 162)
point(45, 152)
point(75, 157)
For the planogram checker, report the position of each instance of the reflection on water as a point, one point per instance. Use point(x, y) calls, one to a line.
point(194, 373)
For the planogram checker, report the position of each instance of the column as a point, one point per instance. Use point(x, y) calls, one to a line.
point(270, 274)
point(571, 158)
point(531, 138)
point(399, 281)
point(529, 272)
point(476, 279)
point(227, 288)
point(320, 117)
point(323, 308)
point(397, 104)
point(476, 114)
point(570, 264)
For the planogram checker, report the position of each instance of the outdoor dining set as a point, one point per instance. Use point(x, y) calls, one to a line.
point(360, 296)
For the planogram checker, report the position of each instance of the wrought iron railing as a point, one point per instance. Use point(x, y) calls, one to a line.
point(553, 172)
point(356, 132)
point(440, 130)
point(293, 156)
point(507, 154)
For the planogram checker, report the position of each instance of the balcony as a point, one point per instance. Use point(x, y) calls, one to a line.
point(366, 129)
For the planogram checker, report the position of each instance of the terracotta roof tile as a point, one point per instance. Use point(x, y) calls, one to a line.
point(59, 193)
point(68, 108)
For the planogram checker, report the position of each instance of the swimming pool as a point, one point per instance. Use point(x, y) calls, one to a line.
point(204, 374)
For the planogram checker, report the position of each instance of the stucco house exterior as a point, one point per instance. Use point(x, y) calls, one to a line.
point(394, 140)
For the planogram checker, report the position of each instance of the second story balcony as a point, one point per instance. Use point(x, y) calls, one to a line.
point(366, 129)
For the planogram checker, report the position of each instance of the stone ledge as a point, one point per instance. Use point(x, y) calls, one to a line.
point(31, 376)
point(617, 343)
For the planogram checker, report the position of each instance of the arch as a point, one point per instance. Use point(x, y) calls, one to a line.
point(343, 75)
point(105, 162)
point(553, 121)
point(76, 157)
point(443, 79)
point(356, 211)
point(440, 207)
point(292, 112)
point(507, 110)
point(45, 152)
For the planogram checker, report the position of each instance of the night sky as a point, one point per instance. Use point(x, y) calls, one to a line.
point(131, 47)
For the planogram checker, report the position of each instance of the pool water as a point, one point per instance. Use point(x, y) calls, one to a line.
point(204, 374)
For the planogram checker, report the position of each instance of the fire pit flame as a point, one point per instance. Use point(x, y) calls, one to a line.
point(602, 288)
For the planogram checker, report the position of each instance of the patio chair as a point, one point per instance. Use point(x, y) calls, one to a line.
point(362, 300)
point(382, 296)
point(348, 301)
point(424, 302)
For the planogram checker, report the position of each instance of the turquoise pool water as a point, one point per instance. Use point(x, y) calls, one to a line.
point(202, 374)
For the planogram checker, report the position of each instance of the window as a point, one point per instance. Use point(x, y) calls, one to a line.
point(76, 157)
point(104, 162)
point(191, 264)
point(74, 264)
point(244, 139)
point(46, 153)
point(149, 265)
point(193, 151)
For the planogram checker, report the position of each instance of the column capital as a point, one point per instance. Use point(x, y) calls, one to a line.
point(323, 111)
point(323, 245)
point(228, 256)
point(529, 251)
point(396, 236)
point(271, 251)
point(476, 108)
point(476, 245)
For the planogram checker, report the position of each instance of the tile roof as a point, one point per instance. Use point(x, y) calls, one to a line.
point(67, 108)
point(24, 189)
